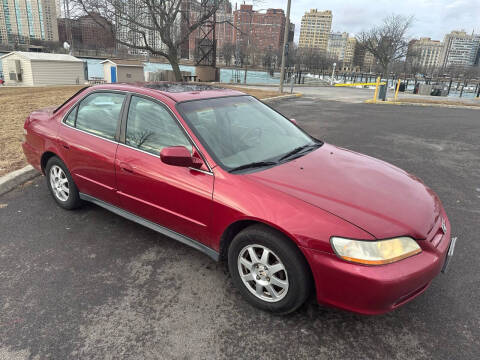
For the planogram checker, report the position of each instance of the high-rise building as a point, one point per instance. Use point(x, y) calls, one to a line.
point(22, 21)
point(349, 53)
point(337, 42)
point(341, 47)
point(460, 49)
point(87, 32)
point(426, 52)
point(315, 29)
point(363, 60)
point(223, 26)
point(129, 33)
point(258, 31)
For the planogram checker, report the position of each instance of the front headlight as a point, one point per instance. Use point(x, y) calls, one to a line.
point(375, 252)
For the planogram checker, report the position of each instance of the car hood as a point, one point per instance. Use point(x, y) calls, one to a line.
point(372, 194)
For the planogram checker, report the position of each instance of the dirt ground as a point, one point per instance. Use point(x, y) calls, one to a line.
point(17, 103)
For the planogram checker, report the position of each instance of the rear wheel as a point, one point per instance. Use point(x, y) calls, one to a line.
point(269, 270)
point(61, 184)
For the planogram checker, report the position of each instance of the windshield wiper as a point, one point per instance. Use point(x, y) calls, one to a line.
point(254, 165)
point(299, 149)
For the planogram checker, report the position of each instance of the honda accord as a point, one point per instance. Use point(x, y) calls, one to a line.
point(222, 172)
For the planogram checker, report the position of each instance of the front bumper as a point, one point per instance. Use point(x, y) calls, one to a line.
point(375, 289)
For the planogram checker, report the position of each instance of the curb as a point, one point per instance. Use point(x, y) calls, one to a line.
point(17, 177)
point(282, 97)
point(400, 103)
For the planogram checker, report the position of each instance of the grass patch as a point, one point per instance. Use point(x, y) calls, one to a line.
point(259, 94)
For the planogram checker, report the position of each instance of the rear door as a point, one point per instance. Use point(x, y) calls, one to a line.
point(177, 198)
point(88, 142)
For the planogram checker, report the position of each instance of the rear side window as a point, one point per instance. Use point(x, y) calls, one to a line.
point(70, 120)
point(150, 127)
point(99, 113)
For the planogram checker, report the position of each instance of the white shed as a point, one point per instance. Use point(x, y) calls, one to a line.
point(34, 68)
point(123, 71)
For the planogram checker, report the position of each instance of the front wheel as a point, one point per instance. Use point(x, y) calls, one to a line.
point(61, 185)
point(269, 270)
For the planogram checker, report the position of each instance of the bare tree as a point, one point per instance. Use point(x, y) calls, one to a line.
point(139, 24)
point(228, 50)
point(388, 42)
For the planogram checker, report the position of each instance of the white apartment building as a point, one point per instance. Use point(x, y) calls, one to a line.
point(460, 49)
point(427, 52)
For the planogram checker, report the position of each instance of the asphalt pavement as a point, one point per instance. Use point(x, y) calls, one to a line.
point(88, 284)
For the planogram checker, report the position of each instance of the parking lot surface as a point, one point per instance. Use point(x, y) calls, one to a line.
point(89, 284)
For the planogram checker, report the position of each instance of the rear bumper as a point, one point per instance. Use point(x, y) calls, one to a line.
point(375, 289)
point(33, 156)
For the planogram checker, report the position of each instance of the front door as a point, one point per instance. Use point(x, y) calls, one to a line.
point(177, 198)
point(88, 144)
point(113, 74)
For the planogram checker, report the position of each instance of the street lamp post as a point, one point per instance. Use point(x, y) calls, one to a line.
point(285, 40)
point(333, 73)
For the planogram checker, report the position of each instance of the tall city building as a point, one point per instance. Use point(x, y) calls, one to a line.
point(87, 32)
point(363, 60)
point(129, 34)
point(315, 29)
point(460, 49)
point(349, 53)
point(426, 52)
point(258, 31)
point(26, 20)
point(337, 42)
point(223, 26)
point(341, 47)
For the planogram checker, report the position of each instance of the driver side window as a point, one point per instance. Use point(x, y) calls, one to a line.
point(150, 127)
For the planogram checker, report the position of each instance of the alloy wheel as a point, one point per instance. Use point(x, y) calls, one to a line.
point(263, 273)
point(59, 183)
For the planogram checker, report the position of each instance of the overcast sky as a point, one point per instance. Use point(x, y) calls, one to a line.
point(433, 18)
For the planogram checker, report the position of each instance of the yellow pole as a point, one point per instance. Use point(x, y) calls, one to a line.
point(396, 91)
point(376, 90)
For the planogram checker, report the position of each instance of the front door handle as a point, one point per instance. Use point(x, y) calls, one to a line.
point(126, 167)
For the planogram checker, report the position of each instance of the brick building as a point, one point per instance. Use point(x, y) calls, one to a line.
point(261, 32)
point(223, 27)
point(87, 32)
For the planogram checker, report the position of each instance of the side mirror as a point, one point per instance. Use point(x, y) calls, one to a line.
point(294, 121)
point(179, 156)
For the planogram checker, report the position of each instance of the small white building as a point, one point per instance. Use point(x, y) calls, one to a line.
point(123, 71)
point(37, 69)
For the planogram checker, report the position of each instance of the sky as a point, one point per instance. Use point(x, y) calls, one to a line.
point(432, 18)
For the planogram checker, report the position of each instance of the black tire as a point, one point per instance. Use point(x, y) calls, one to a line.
point(297, 270)
point(73, 200)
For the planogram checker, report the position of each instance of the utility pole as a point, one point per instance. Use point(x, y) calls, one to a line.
point(285, 40)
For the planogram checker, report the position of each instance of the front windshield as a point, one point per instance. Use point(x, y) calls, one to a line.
point(240, 130)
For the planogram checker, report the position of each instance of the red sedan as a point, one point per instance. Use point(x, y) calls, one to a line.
point(224, 173)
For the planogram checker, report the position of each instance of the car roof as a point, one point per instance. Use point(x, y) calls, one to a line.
point(175, 91)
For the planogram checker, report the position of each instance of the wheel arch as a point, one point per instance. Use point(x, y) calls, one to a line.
point(236, 227)
point(47, 155)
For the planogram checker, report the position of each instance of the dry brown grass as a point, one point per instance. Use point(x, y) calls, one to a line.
point(17, 103)
point(260, 94)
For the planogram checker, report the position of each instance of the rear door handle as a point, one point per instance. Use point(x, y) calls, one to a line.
point(126, 167)
point(65, 145)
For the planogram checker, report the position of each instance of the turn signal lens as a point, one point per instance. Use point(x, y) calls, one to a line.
point(375, 252)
